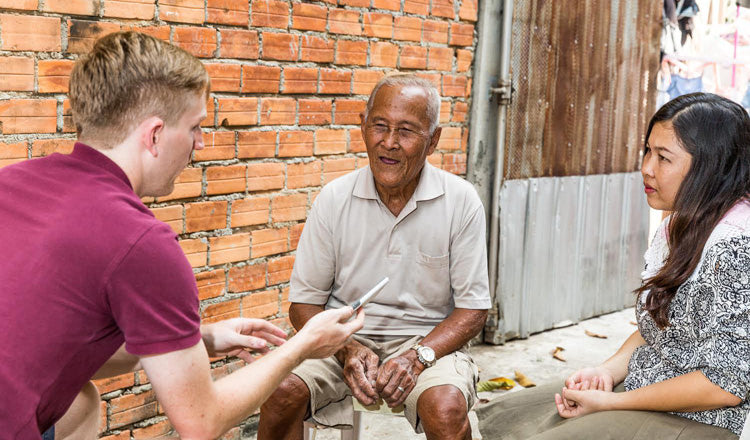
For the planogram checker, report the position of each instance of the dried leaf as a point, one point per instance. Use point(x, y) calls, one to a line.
point(595, 335)
point(556, 354)
point(522, 380)
point(496, 383)
point(633, 323)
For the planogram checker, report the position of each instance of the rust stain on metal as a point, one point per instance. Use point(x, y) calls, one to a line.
point(584, 79)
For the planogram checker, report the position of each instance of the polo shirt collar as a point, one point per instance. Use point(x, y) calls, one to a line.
point(430, 185)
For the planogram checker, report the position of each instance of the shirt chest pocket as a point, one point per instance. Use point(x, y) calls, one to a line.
point(433, 281)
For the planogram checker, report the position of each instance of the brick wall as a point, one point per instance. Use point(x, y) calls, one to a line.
point(289, 80)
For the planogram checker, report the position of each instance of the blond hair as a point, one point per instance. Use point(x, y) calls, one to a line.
point(408, 80)
point(127, 77)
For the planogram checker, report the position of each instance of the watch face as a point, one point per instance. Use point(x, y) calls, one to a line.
point(428, 354)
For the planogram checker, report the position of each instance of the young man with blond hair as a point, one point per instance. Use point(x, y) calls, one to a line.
point(94, 285)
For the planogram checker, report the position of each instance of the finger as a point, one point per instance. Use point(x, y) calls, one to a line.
point(585, 385)
point(559, 403)
point(357, 323)
point(272, 338)
point(361, 390)
point(404, 394)
point(246, 341)
point(245, 356)
point(391, 389)
point(344, 313)
point(254, 325)
point(384, 376)
point(371, 368)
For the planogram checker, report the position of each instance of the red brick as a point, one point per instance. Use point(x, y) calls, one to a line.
point(210, 114)
point(441, 58)
point(205, 216)
point(285, 300)
point(454, 85)
point(210, 284)
point(157, 430)
point(330, 141)
point(393, 5)
point(75, 7)
point(224, 77)
point(225, 180)
point(261, 304)
point(248, 212)
point(277, 46)
point(334, 168)
point(316, 49)
point(256, 144)
point(68, 125)
point(28, 116)
point(16, 74)
point(238, 43)
point(468, 10)
point(435, 31)
point(270, 13)
point(54, 75)
point(421, 7)
point(462, 34)
point(443, 8)
point(434, 78)
point(277, 111)
point(228, 249)
point(365, 80)
point(450, 139)
point(131, 408)
point(30, 32)
point(260, 79)
point(160, 32)
point(378, 25)
point(265, 176)
point(445, 112)
point(269, 242)
point(348, 110)
point(13, 153)
point(315, 111)
point(231, 12)
point(383, 54)
point(351, 52)
point(219, 372)
point(201, 42)
point(123, 435)
point(335, 82)
point(196, 251)
point(45, 147)
point(285, 208)
point(27, 5)
point(171, 215)
point(182, 11)
point(459, 112)
point(114, 383)
point(301, 175)
point(188, 184)
point(295, 143)
point(221, 311)
point(280, 270)
point(355, 3)
point(407, 28)
point(237, 111)
point(356, 144)
point(413, 57)
point(455, 163)
point(246, 278)
point(132, 9)
point(300, 80)
point(464, 58)
point(308, 17)
point(294, 234)
point(344, 21)
point(436, 159)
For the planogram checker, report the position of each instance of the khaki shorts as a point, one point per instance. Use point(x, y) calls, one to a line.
point(330, 397)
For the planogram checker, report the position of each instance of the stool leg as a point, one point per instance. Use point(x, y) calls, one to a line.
point(356, 431)
point(308, 431)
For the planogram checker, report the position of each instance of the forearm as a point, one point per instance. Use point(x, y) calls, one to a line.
point(617, 364)
point(300, 313)
point(455, 331)
point(686, 393)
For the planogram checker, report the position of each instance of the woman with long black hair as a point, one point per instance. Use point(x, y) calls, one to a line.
point(685, 373)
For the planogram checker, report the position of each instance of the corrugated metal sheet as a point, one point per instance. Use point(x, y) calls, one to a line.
point(583, 73)
point(570, 248)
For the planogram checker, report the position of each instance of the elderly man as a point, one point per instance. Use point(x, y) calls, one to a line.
point(424, 229)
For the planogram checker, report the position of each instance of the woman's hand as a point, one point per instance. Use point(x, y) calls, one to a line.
point(597, 378)
point(576, 403)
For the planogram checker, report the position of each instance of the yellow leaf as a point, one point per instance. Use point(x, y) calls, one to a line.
point(496, 383)
point(522, 380)
point(556, 354)
point(595, 335)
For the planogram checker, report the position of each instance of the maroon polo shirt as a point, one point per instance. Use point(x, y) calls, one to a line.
point(84, 267)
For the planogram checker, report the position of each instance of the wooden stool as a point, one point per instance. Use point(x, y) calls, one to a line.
point(310, 428)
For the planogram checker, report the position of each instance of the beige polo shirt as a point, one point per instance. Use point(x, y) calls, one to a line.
point(434, 252)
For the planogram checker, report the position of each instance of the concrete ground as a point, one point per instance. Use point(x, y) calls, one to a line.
point(532, 357)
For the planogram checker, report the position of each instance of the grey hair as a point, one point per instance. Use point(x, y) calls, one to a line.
point(406, 80)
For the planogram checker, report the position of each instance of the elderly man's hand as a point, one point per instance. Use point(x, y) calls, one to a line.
point(360, 370)
point(397, 377)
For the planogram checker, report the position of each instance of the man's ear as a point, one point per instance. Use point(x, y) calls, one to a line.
point(151, 130)
point(434, 140)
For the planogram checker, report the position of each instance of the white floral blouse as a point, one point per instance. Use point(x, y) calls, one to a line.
point(709, 320)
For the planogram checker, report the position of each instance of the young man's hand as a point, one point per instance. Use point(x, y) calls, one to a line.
point(234, 337)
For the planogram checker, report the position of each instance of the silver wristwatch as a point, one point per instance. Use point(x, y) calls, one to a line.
point(426, 355)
